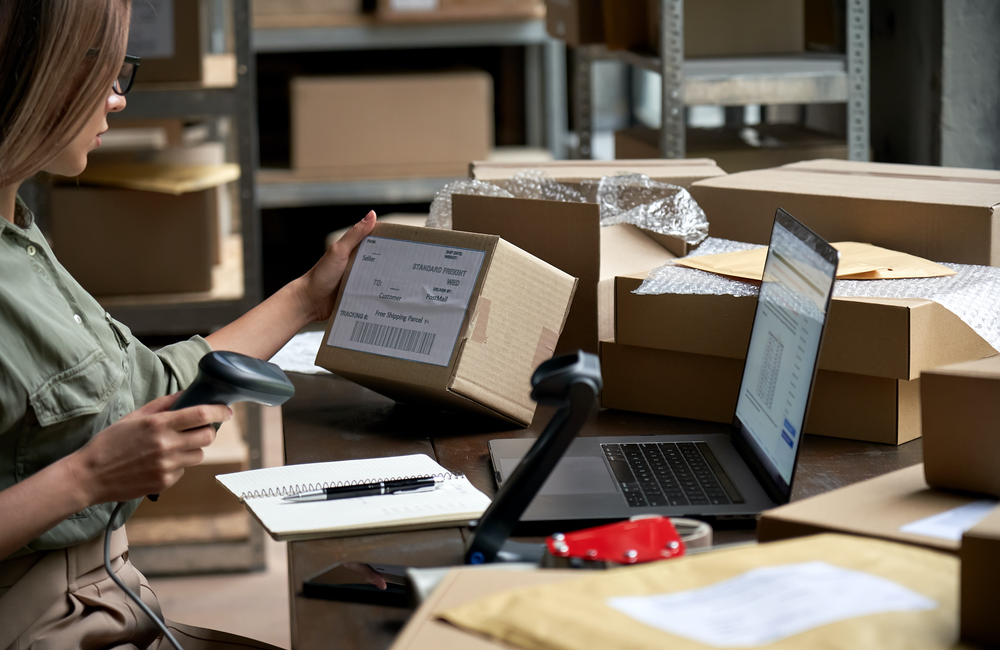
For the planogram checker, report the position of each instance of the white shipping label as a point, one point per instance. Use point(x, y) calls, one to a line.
point(151, 30)
point(771, 603)
point(413, 5)
point(951, 524)
point(406, 299)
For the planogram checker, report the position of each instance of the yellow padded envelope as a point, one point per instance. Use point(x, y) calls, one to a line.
point(857, 262)
point(573, 615)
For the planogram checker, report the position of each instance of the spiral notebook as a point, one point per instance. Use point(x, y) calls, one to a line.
point(455, 502)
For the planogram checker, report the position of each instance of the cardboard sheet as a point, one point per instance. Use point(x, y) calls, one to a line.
point(576, 614)
point(165, 179)
point(858, 261)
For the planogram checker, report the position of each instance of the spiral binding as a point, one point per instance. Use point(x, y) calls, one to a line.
point(309, 487)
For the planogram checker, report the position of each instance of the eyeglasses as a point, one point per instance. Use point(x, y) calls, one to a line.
point(126, 77)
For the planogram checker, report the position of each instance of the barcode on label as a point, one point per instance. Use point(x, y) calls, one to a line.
point(396, 338)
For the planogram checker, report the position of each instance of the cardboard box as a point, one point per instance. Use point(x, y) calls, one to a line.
point(570, 237)
point(702, 387)
point(303, 13)
point(961, 410)
point(939, 213)
point(391, 126)
point(572, 172)
point(578, 22)
point(456, 319)
point(880, 337)
point(738, 150)
point(172, 45)
point(878, 507)
point(980, 556)
point(125, 242)
point(449, 10)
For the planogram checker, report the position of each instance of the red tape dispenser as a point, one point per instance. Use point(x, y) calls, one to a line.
point(627, 542)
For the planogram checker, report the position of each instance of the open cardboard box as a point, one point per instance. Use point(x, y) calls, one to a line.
point(882, 337)
point(961, 408)
point(878, 507)
point(572, 172)
point(570, 237)
point(702, 387)
point(451, 318)
point(942, 214)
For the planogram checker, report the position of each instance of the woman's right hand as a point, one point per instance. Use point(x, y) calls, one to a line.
point(146, 451)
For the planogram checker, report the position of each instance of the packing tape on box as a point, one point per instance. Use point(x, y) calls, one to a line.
point(627, 198)
point(972, 294)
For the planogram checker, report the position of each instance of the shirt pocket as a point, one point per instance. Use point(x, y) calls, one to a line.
point(84, 389)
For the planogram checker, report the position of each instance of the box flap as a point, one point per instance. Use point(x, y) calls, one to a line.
point(627, 249)
point(566, 235)
point(577, 170)
point(878, 181)
point(877, 507)
point(988, 368)
point(518, 318)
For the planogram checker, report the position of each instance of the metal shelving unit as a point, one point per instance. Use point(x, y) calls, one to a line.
point(790, 79)
point(239, 102)
point(545, 101)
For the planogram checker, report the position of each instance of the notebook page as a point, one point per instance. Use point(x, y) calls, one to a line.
point(453, 502)
point(290, 479)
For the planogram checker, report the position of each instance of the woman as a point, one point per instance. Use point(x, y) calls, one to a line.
point(84, 420)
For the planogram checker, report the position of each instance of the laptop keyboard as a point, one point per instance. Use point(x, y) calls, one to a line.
point(670, 474)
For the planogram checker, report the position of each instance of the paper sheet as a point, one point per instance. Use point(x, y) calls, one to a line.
point(299, 354)
point(857, 262)
point(951, 524)
point(769, 604)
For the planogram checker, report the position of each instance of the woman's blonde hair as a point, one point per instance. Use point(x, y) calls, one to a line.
point(58, 59)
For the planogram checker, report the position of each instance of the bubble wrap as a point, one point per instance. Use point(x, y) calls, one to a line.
point(534, 184)
point(973, 294)
point(651, 205)
point(628, 198)
point(440, 213)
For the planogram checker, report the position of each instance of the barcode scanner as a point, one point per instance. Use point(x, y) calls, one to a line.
point(223, 378)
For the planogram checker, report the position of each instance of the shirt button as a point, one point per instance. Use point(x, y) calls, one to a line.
point(31, 250)
point(77, 318)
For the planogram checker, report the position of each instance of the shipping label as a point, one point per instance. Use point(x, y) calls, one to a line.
point(406, 299)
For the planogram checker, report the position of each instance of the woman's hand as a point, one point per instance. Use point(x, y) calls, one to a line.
point(319, 285)
point(146, 451)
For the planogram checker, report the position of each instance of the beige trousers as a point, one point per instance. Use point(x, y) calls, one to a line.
point(57, 600)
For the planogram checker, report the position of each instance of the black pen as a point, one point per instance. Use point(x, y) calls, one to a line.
point(406, 485)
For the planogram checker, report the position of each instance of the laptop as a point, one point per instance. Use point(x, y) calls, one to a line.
point(742, 469)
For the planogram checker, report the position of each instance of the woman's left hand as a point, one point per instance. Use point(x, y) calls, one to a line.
point(319, 285)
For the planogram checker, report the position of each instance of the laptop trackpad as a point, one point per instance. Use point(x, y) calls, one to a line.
point(573, 475)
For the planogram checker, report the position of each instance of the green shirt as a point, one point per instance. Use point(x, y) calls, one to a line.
point(67, 371)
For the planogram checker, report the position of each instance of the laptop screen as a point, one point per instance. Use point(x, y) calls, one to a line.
point(784, 348)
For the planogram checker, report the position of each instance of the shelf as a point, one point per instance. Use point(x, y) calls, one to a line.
point(371, 35)
point(791, 79)
point(272, 193)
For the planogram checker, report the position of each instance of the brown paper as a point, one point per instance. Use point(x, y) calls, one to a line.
point(573, 615)
point(166, 179)
point(857, 262)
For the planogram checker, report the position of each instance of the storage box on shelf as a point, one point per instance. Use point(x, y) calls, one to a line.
point(451, 10)
point(170, 36)
point(711, 27)
point(141, 230)
point(451, 318)
point(305, 13)
point(873, 354)
point(570, 237)
point(939, 213)
point(423, 125)
point(739, 149)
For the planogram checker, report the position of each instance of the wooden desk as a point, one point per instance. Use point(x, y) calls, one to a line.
point(332, 419)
